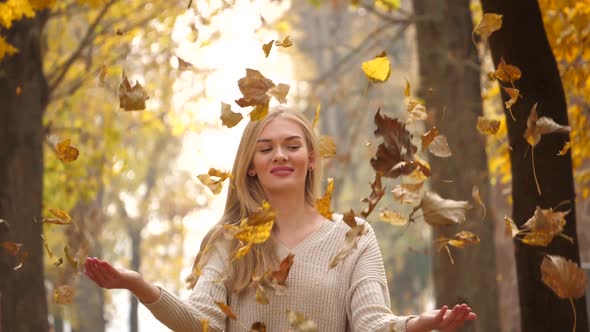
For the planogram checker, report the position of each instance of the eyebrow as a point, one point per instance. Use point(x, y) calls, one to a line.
point(290, 138)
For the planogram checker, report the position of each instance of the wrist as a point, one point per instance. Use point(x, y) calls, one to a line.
point(411, 324)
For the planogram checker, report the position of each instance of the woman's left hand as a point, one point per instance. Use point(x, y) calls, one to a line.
point(441, 319)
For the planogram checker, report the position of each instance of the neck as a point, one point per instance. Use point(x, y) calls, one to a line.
point(293, 213)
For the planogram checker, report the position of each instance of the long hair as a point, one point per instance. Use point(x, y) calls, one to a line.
point(245, 195)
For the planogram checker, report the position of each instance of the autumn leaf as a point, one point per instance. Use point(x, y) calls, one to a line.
point(440, 147)
point(407, 193)
point(228, 118)
point(241, 252)
point(254, 234)
point(258, 327)
point(564, 277)
point(477, 199)
point(280, 275)
point(132, 98)
point(259, 112)
point(102, 75)
point(226, 310)
point(254, 87)
point(267, 47)
point(264, 214)
point(377, 191)
point(280, 92)
point(350, 243)
point(6, 48)
point(407, 91)
point(260, 295)
point(541, 126)
point(204, 324)
point(349, 218)
point(513, 94)
point(327, 146)
point(285, 43)
point(21, 260)
point(49, 252)
point(299, 323)
point(489, 24)
point(65, 152)
point(64, 294)
point(487, 126)
point(73, 262)
point(323, 204)
point(214, 179)
point(428, 137)
point(565, 148)
point(393, 217)
point(61, 217)
point(460, 240)
point(418, 112)
point(510, 229)
point(316, 118)
point(507, 73)
point(543, 226)
point(378, 69)
point(13, 248)
point(438, 211)
point(184, 65)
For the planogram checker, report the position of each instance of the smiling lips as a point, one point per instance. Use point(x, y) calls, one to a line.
point(281, 171)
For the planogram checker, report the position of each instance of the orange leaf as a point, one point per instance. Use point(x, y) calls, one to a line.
point(564, 277)
point(132, 98)
point(65, 152)
point(226, 310)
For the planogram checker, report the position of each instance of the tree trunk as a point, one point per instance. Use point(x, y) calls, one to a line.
point(448, 63)
point(135, 266)
point(23, 98)
point(522, 42)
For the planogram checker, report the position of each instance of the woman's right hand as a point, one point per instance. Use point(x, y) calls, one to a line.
point(106, 276)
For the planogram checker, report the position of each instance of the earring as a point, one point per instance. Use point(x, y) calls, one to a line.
point(251, 173)
point(310, 168)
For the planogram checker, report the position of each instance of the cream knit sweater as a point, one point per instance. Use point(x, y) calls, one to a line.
point(353, 296)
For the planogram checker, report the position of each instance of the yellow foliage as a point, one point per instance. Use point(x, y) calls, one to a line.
point(6, 48)
point(14, 10)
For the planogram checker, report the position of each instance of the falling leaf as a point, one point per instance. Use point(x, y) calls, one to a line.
point(260, 296)
point(13, 248)
point(254, 87)
point(285, 43)
point(228, 118)
point(507, 73)
point(564, 277)
point(58, 262)
point(226, 310)
point(280, 92)
point(63, 218)
point(438, 211)
point(267, 47)
point(259, 112)
point(65, 152)
point(510, 229)
point(132, 98)
point(49, 252)
point(513, 94)
point(327, 146)
point(21, 260)
point(418, 112)
point(541, 126)
point(488, 126)
point(349, 218)
point(350, 243)
point(440, 147)
point(490, 23)
point(264, 214)
point(19, 90)
point(477, 199)
point(280, 275)
point(463, 239)
point(258, 327)
point(204, 324)
point(543, 226)
point(323, 204)
point(407, 89)
point(73, 262)
point(393, 217)
point(407, 193)
point(102, 75)
point(64, 294)
point(316, 118)
point(214, 179)
point(377, 69)
point(300, 323)
point(184, 65)
point(428, 137)
point(254, 234)
point(377, 191)
point(6, 48)
point(242, 251)
point(565, 148)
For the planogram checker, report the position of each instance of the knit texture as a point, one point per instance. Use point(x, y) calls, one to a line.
point(353, 296)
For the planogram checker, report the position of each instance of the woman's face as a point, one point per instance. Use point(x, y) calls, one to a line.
point(282, 157)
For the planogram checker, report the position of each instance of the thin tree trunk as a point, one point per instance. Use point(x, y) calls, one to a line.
point(522, 42)
point(23, 98)
point(135, 266)
point(450, 84)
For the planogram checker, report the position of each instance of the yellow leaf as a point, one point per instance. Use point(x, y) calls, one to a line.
point(377, 69)
point(14, 10)
point(565, 148)
point(131, 98)
point(490, 23)
point(6, 48)
point(102, 75)
point(280, 92)
point(299, 323)
point(477, 199)
point(65, 152)
point(229, 118)
point(316, 118)
point(514, 94)
point(73, 262)
point(507, 73)
point(393, 218)
point(226, 310)
point(541, 126)
point(204, 325)
point(323, 204)
point(543, 226)
point(266, 48)
point(463, 239)
point(564, 277)
point(285, 43)
point(254, 234)
point(64, 294)
point(407, 193)
point(407, 89)
point(327, 146)
point(61, 214)
point(428, 137)
point(487, 126)
point(49, 252)
point(242, 251)
point(259, 112)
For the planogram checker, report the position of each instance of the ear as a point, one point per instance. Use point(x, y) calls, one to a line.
point(311, 160)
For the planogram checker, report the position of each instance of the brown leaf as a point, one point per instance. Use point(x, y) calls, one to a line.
point(300, 323)
point(71, 259)
point(543, 226)
point(393, 217)
point(349, 218)
point(407, 193)
point(102, 75)
point(438, 211)
point(184, 65)
point(132, 98)
point(350, 243)
point(46, 245)
point(377, 191)
point(258, 327)
point(564, 277)
point(280, 92)
point(226, 310)
point(487, 126)
point(428, 137)
point(507, 73)
point(327, 146)
point(267, 47)
point(13, 248)
point(261, 295)
point(21, 260)
point(477, 199)
point(440, 147)
point(536, 127)
point(254, 87)
point(490, 23)
point(513, 94)
point(285, 43)
point(65, 152)
point(280, 275)
point(259, 112)
point(204, 324)
point(228, 118)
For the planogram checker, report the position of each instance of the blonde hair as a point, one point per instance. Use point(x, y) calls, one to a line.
point(245, 195)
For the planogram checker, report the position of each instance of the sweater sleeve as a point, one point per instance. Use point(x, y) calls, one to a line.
point(368, 296)
point(185, 315)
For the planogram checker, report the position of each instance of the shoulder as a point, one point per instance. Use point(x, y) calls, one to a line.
point(364, 231)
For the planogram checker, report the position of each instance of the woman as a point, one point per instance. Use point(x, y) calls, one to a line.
point(277, 161)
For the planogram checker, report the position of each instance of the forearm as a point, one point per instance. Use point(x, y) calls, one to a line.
point(144, 291)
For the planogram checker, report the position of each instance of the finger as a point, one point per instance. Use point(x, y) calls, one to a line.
point(98, 275)
point(109, 269)
point(450, 318)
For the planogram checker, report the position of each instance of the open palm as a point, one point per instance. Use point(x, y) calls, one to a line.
point(107, 276)
point(442, 319)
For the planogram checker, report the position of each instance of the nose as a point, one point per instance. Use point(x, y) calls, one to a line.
point(279, 156)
